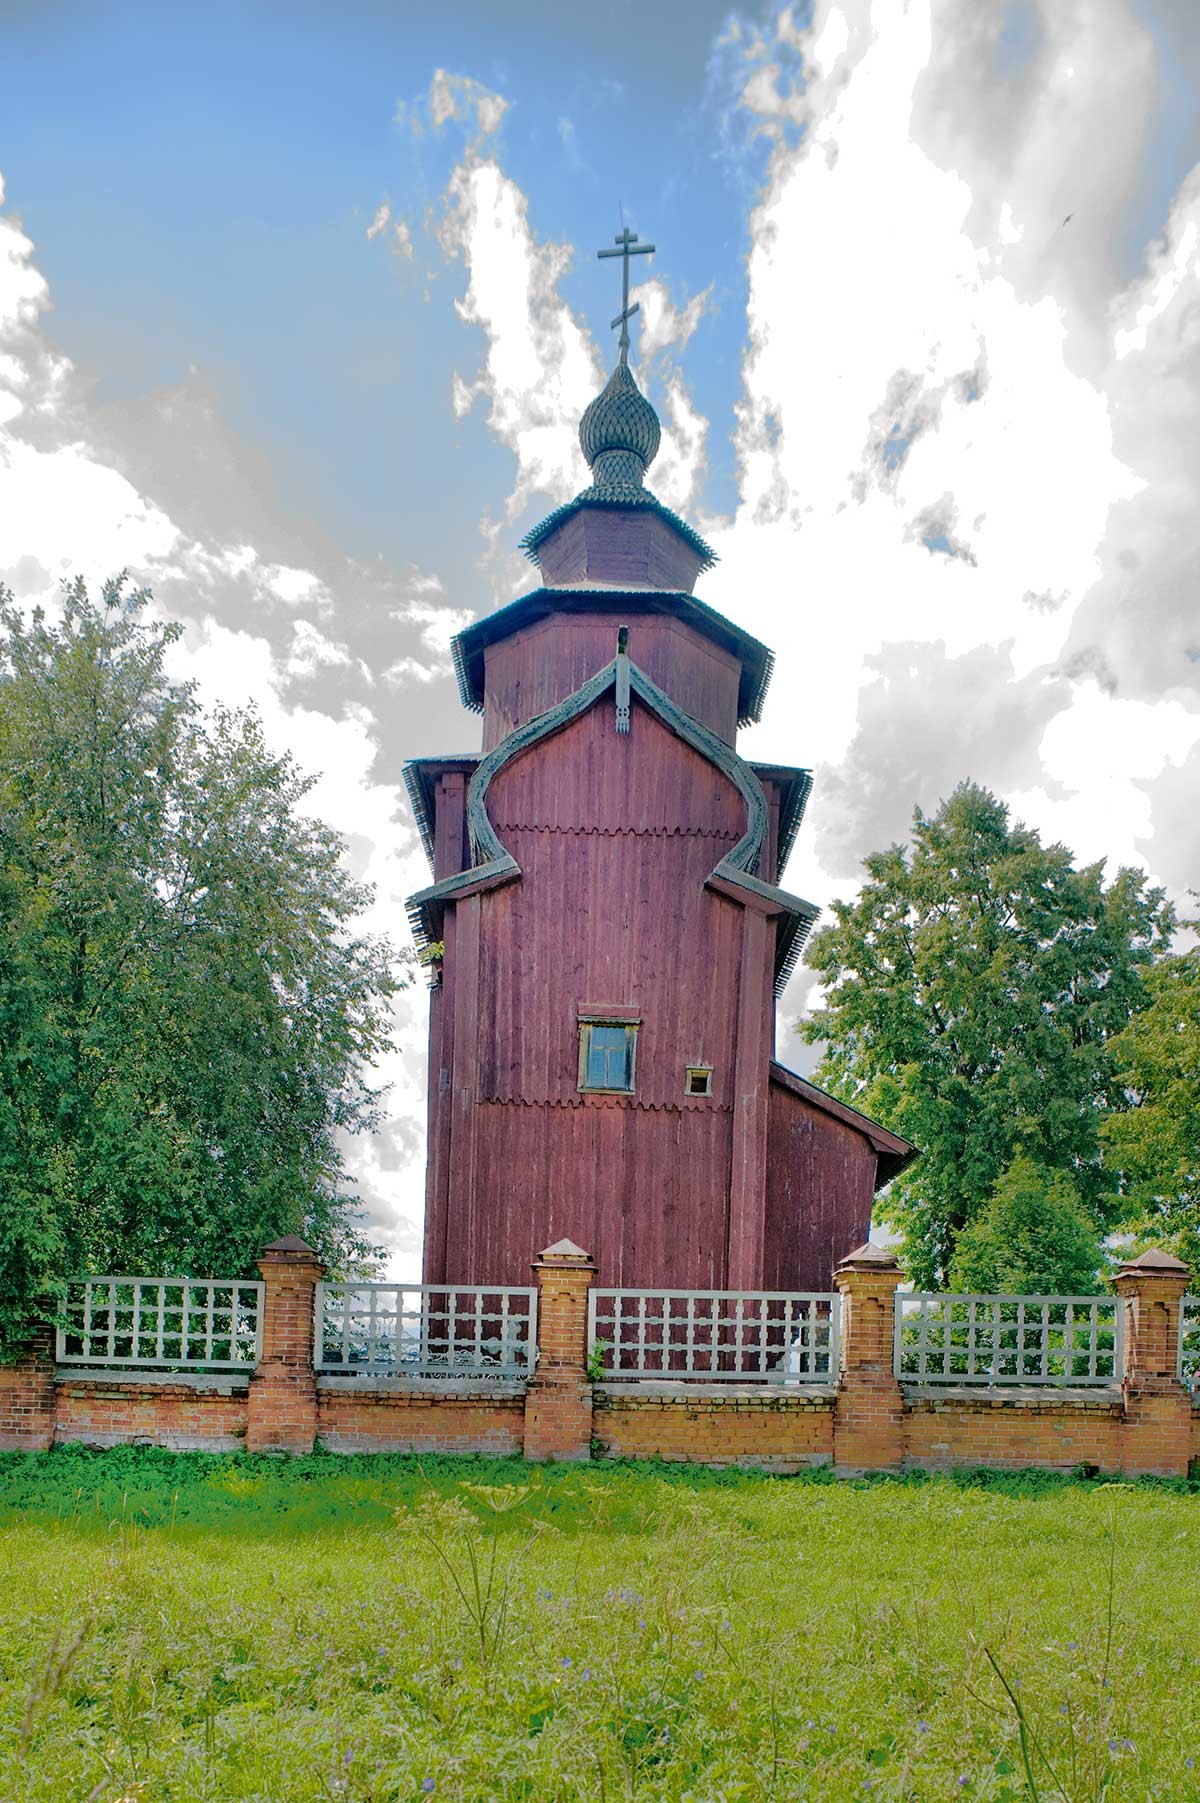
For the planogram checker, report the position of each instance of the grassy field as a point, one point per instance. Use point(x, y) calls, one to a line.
point(195, 1628)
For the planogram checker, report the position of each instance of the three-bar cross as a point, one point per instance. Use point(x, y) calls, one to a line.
point(628, 246)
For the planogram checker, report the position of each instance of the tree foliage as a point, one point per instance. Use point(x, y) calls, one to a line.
point(1032, 1237)
point(186, 1010)
point(971, 994)
point(1154, 1141)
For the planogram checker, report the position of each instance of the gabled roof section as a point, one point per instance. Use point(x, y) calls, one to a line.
point(893, 1153)
point(420, 779)
point(795, 786)
point(756, 660)
point(626, 495)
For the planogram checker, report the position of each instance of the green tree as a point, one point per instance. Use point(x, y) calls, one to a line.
point(971, 992)
point(1154, 1141)
point(1033, 1238)
point(186, 1010)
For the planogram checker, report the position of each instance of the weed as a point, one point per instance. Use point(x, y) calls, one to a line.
point(215, 1629)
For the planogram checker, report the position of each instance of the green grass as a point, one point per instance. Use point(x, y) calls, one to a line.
point(185, 1627)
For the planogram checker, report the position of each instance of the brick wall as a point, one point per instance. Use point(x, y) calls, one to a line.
point(460, 1418)
point(715, 1424)
point(187, 1413)
point(1014, 1430)
point(27, 1398)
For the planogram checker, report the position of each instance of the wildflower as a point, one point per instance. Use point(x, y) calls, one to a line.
point(1128, 1745)
point(1062, 1709)
point(1189, 1762)
point(699, 1677)
point(565, 1664)
point(963, 1780)
point(586, 1672)
point(428, 1784)
point(1072, 1646)
point(1114, 1746)
point(726, 1626)
point(922, 1727)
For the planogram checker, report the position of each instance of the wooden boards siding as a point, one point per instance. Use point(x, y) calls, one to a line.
point(820, 1183)
point(616, 836)
point(632, 549)
point(544, 663)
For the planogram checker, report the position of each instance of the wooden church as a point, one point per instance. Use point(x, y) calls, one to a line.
point(613, 930)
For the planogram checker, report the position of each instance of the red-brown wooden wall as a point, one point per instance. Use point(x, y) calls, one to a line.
point(616, 835)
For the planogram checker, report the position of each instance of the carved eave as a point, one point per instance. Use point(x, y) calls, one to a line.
point(795, 787)
point(627, 499)
point(470, 645)
point(892, 1153)
point(420, 779)
point(734, 877)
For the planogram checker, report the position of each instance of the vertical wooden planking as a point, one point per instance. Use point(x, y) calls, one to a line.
point(544, 662)
point(449, 832)
point(820, 1187)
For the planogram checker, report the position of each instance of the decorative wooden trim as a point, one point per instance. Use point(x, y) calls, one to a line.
point(618, 1015)
point(734, 876)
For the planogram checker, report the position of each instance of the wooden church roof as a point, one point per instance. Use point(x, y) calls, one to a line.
point(756, 661)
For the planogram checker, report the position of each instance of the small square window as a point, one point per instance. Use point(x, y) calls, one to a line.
point(606, 1055)
point(699, 1080)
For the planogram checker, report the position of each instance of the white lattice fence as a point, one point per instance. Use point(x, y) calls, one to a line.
point(175, 1323)
point(1189, 1342)
point(426, 1330)
point(953, 1339)
point(734, 1335)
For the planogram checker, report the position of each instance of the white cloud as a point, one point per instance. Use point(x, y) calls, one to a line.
point(312, 651)
point(401, 233)
point(540, 368)
point(929, 363)
point(468, 102)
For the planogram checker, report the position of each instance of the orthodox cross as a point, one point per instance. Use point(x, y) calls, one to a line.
point(626, 248)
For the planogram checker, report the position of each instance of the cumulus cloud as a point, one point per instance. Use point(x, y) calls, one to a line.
point(965, 454)
point(457, 98)
point(540, 368)
point(400, 233)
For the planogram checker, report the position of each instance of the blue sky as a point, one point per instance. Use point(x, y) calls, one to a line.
point(299, 308)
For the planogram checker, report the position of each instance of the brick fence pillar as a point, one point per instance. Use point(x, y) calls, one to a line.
point(868, 1419)
point(27, 1397)
point(558, 1401)
point(1156, 1434)
point(282, 1413)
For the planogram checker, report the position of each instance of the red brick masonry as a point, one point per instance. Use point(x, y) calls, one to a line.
point(868, 1422)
